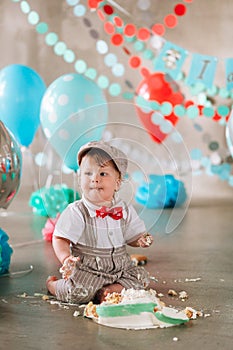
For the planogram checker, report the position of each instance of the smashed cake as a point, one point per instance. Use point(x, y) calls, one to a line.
point(135, 309)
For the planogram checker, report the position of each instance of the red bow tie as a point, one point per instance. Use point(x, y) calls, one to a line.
point(115, 213)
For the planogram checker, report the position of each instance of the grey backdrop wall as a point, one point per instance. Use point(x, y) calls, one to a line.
point(204, 29)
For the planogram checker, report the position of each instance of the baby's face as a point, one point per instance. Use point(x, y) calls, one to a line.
point(98, 183)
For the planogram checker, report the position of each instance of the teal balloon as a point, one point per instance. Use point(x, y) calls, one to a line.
point(21, 92)
point(5, 252)
point(74, 111)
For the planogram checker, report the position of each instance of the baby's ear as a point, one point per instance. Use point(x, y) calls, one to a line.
point(118, 184)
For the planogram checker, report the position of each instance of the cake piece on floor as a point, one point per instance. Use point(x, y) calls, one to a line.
point(135, 309)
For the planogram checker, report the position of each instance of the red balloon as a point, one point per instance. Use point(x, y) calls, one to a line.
point(160, 88)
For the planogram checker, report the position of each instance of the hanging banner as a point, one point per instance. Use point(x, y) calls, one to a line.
point(229, 73)
point(170, 59)
point(202, 70)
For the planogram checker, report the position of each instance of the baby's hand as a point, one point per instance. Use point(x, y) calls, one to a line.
point(68, 266)
point(145, 240)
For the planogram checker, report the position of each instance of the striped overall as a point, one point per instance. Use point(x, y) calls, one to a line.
point(98, 267)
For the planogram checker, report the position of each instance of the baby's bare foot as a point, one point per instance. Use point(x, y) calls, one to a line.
point(109, 289)
point(50, 284)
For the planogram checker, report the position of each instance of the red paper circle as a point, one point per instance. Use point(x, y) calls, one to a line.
point(134, 61)
point(180, 9)
point(143, 34)
point(118, 21)
point(117, 39)
point(130, 30)
point(93, 4)
point(158, 29)
point(108, 9)
point(109, 28)
point(170, 21)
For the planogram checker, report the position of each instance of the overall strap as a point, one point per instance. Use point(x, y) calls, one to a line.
point(89, 235)
point(124, 221)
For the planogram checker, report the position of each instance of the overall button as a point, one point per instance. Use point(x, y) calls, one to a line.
point(110, 233)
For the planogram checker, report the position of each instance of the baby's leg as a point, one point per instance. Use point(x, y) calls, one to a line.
point(108, 289)
point(74, 290)
point(51, 284)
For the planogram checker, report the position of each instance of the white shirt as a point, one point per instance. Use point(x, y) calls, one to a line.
point(109, 232)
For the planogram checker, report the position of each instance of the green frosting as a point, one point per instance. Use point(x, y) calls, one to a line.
point(119, 310)
point(166, 319)
point(124, 310)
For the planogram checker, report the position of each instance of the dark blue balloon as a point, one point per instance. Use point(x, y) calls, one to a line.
point(162, 191)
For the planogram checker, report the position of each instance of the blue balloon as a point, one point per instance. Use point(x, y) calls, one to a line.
point(22, 90)
point(74, 111)
point(162, 191)
point(5, 252)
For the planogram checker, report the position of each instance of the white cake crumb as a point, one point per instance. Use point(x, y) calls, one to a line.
point(192, 314)
point(192, 279)
point(76, 313)
point(183, 295)
point(172, 293)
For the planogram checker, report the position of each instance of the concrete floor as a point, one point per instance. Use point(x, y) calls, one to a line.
point(201, 247)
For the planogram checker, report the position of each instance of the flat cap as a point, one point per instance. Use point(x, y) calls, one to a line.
point(119, 157)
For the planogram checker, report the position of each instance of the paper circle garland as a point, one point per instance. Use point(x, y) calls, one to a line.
point(115, 88)
point(192, 111)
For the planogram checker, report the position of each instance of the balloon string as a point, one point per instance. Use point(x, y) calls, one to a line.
point(21, 272)
point(18, 273)
point(25, 244)
point(32, 168)
point(75, 178)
